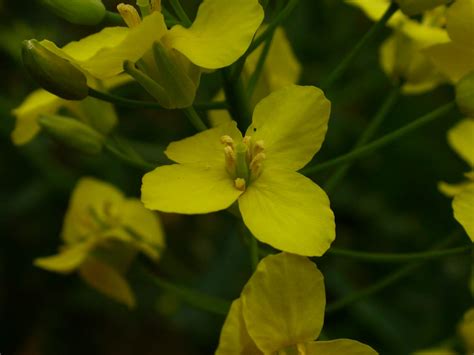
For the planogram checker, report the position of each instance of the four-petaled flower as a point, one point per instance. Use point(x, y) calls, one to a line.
point(217, 167)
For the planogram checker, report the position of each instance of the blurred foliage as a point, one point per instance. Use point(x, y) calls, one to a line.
point(388, 202)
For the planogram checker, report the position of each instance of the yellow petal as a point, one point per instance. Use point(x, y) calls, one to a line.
point(188, 189)
point(451, 190)
point(221, 33)
point(463, 206)
point(234, 338)
point(107, 280)
point(289, 212)
point(461, 139)
point(453, 60)
point(37, 103)
point(460, 22)
point(90, 196)
point(145, 227)
point(292, 122)
point(204, 148)
point(466, 330)
point(374, 9)
point(338, 347)
point(68, 259)
point(283, 302)
point(103, 54)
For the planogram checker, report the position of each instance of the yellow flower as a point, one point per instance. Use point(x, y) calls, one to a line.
point(456, 58)
point(461, 139)
point(220, 34)
point(41, 102)
point(102, 233)
point(401, 55)
point(281, 311)
point(281, 68)
point(217, 167)
point(466, 330)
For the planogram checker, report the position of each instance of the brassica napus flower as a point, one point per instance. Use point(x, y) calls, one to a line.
point(281, 311)
point(220, 34)
point(401, 54)
point(461, 139)
point(281, 68)
point(456, 58)
point(102, 233)
point(218, 167)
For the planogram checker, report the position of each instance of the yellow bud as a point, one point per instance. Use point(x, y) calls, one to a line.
point(72, 133)
point(416, 7)
point(81, 12)
point(53, 73)
point(465, 94)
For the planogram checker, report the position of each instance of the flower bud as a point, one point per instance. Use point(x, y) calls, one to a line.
point(465, 94)
point(72, 133)
point(81, 12)
point(416, 7)
point(53, 73)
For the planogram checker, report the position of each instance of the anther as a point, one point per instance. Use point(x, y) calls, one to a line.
point(240, 184)
point(155, 5)
point(256, 165)
point(246, 140)
point(129, 14)
point(258, 147)
point(227, 141)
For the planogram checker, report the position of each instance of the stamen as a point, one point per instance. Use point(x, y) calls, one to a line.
point(258, 147)
point(227, 141)
point(256, 165)
point(229, 156)
point(240, 184)
point(155, 5)
point(129, 14)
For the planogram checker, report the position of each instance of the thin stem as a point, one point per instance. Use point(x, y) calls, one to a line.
point(113, 19)
point(193, 298)
point(194, 118)
point(383, 141)
point(178, 9)
point(368, 134)
point(237, 100)
point(397, 257)
point(344, 64)
point(121, 101)
point(144, 6)
point(126, 156)
point(253, 80)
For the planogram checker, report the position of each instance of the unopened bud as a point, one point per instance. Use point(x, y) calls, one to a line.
point(465, 94)
point(416, 7)
point(72, 133)
point(81, 12)
point(53, 73)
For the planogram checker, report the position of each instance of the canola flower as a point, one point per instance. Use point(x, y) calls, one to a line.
point(402, 54)
point(218, 167)
point(281, 68)
point(169, 61)
point(281, 311)
point(456, 58)
point(461, 139)
point(102, 233)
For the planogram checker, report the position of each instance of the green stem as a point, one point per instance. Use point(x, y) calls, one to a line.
point(236, 99)
point(397, 257)
point(126, 156)
point(344, 64)
point(383, 141)
point(178, 9)
point(113, 19)
point(193, 298)
point(194, 118)
point(144, 6)
point(368, 134)
point(253, 80)
point(121, 101)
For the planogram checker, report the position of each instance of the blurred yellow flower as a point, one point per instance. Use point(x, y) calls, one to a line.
point(401, 54)
point(102, 233)
point(461, 139)
point(456, 58)
point(217, 167)
point(281, 311)
point(466, 330)
point(281, 68)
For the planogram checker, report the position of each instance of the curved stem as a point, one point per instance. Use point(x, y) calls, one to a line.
point(127, 156)
point(237, 100)
point(253, 80)
point(397, 257)
point(194, 118)
point(372, 128)
point(178, 9)
point(344, 64)
point(383, 141)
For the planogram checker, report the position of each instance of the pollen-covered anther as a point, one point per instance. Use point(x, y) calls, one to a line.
point(129, 14)
point(229, 156)
point(240, 184)
point(256, 164)
point(258, 147)
point(155, 5)
point(227, 141)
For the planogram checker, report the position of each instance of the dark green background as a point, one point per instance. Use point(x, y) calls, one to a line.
point(388, 202)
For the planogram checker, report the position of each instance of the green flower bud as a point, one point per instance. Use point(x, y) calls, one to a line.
point(72, 133)
point(99, 115)
point(416, 7)
point(465, 94)
point(81, 12)
point(53, 73)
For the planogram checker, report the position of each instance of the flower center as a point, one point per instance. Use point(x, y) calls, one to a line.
point(243, 160)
